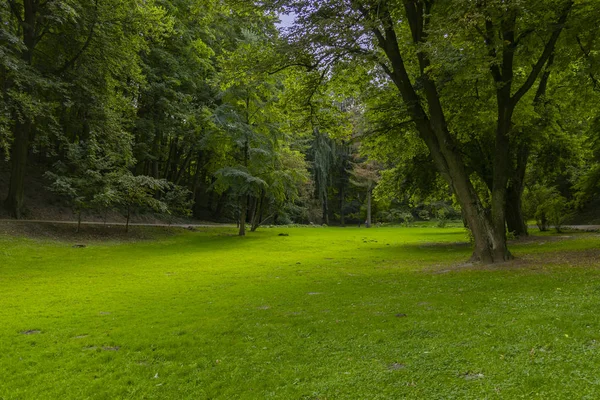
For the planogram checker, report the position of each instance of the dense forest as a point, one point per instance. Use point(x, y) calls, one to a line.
point(373, 111)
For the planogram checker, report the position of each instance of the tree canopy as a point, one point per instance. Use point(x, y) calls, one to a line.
point(488, 107)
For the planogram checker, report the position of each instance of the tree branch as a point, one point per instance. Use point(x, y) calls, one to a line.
point(489, 42)
point(586, 53)
point(15, 12)
point(548, 50)
point(72, 61)
point(308, 67)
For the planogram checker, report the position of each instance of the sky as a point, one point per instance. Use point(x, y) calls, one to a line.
point(287, 20)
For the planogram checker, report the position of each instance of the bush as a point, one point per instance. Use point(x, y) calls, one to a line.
point(407, 218)
point(424, 215)
point(547, 206)
point(442, 218)
point(556, 210)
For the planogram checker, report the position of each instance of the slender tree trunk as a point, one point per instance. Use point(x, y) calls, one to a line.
point(263, 206)
point(543, 223)
point(243, 211)
point(252, 205)
point(196, 178)
point(325, 210)
point(128, 218)
point(156, 153)
point(22, 128)
point(167, 166)
point(183, 168)
point(15, 201)
point(257, 213)
point(220, 204)
point(369, 195)
point(79, 221)
point(342, 196)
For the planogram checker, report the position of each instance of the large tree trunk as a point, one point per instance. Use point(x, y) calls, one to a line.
point(490, 244)
point(489, 230)
point(515, 222)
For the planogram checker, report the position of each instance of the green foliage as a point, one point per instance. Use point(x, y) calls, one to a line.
point(94, 178)
point(547, 206)
point(555, 209)
point(442, 217)
point(210, 97)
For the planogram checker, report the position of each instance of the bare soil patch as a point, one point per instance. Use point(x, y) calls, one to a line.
point(574, 258)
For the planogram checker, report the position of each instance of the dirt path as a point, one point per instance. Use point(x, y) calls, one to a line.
point(178, 225)
point(588, 228)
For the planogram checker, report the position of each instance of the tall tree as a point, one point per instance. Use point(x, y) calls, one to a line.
point(511, 40)
point(66, 63)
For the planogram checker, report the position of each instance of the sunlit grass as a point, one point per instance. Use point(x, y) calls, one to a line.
point(322, 313)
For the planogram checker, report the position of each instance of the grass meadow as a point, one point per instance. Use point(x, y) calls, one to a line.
point(324, 313)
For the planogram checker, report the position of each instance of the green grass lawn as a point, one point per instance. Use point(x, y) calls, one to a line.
point(324, 313)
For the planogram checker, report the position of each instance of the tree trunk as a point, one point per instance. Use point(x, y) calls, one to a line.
point(542, 223)
point(515, 221)
point(252, 204)
point(489, 231)
point(183, 168)
point(15, 201)
point(490, 245)
point(325, 210)
point(128, 218)
point(369, 195)
point(220, 204)
point(79, 221)
point(243, 210)
point(156, 154)
point(257, 213)
point(342, 195)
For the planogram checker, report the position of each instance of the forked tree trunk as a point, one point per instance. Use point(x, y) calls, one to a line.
point(488, 229)
point(515, 221)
